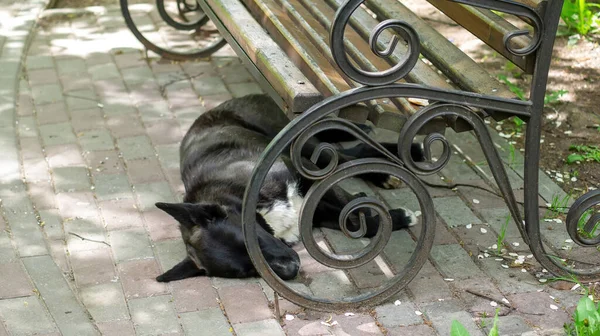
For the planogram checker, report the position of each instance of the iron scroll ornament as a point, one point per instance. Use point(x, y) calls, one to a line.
point(293, 133)
point(411, 38)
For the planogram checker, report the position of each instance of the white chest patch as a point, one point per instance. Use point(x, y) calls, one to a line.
point(283, 216)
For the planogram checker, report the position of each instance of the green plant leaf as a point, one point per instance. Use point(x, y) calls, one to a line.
point(572, 158)
point(458, 329)
point(585, 310)
point(494, 330)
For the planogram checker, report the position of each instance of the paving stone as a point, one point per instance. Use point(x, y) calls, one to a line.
point(476, 304)
point(473, 240)
point(69, 179)
point(57, 134)
point(138, 147)
point(26, 316)
point(24, 227)
point(14, 281)
point(194, 294)
point(535, 307)
point(68, 155)
point(87, 119)
point(421, 330)
point(209, 86)
point(454, 262)
point(443, 322)
point(205, 322)
point(46, 94)
point(144, 170)
point(508, 325)
point(429, 285)
point(391, 315)
point(105, 302)
point(245, 303)
point(42, 194)
point(74, 65)
point(42, 76)
point(454, 211)
point(58, 297)
point(497, 218)
point(170, 253)
point(112, 187)
point(27, 127)
point(136, 75)
point(96, 140)
point(125, 125)
point(77, 204)
point(235, 74)
point(242, 89)
point(268, 327)
point(154, 112)
point(148, 91)
point(128, 60)
point(160, 225)
point(39, 62)
point(120, 214)
point(510, 280)
point(51, 113)
point(90, 229)
point(52, 224)
point(138, 278)
point(92, 267)
point(75, 81)
point(164, 132)
point(104, 71)
point(104, 162)
point(153, 316)
point(120, 328)
point(332, 285)
point(150, 193)
point(130, 244)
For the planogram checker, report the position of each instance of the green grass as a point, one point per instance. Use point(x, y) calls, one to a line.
point(554, 96)
point(581, 225)
point(581, 17)
point(457, 329)
point(586, 319)
point(512, 87)
point(557, 206)
point(500, 239)
point(584, 153)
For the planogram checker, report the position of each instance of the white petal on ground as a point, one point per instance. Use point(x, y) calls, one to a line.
point(397, 302)
point(553, 307)
point(493, 304)
point(418, 313)
point(289, 317)
point(476, 201)
point(483, 230)
point(469, 226)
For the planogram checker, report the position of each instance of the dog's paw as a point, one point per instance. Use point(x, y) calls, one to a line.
point(392, 182)
point(403, 218)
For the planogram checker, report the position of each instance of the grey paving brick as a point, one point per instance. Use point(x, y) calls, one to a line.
point(194, 294)
point(58, 297)
point(68, 155)
point(246, 303)
point(52, 224)
point(136, 147)
point(27, 127)
point(46, 94)
point(112, 187)
point(136, 75)
point(130, 245)
point(51, 113)
point(104, 71)
point(168, 156)
point(421, 330)
point(205, 322)
point(121, 328)
point(208, 86)
point(268, 327)
point(537, 310)
point(24, 226)
point(454, 211)
point(150, 193)
point(153, 316)
point(57, 134)
point(105, 302)
point(7, 253)
point(391, 315)
point(170, 253)
point(508, 325)
point(155, 111)
point(242, 89)
point(139, 278)
point(443, 323)
point(14, 281)
point(70, 66)
point(496, 218)
point(89, 228)
point(39, 62)
point(69, 179)
point(81, 99)
point(26, 316)
point(332, 285)
point(92, 267)
point(454, 262)
point(510, 280)
point(96, 140)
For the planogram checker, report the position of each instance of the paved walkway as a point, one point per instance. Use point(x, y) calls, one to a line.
point(89, 142)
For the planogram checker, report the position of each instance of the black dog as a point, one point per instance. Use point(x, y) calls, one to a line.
point(218, 155)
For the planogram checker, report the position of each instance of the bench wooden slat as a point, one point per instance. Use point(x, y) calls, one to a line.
point(460, 68)
point(488, 27)
point(289, 82)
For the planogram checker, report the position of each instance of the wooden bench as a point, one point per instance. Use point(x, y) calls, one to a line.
point(305, 57)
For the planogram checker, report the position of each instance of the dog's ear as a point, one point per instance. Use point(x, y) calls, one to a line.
point(190, 215)
point(185, 269)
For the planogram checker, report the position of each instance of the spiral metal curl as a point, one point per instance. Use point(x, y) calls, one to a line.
point(384, 232)
point(579, 209)
point(452, 112)
point(397, 72)
point(328, 125)
point(518, 9)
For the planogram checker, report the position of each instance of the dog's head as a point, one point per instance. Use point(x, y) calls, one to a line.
point(215, 244)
